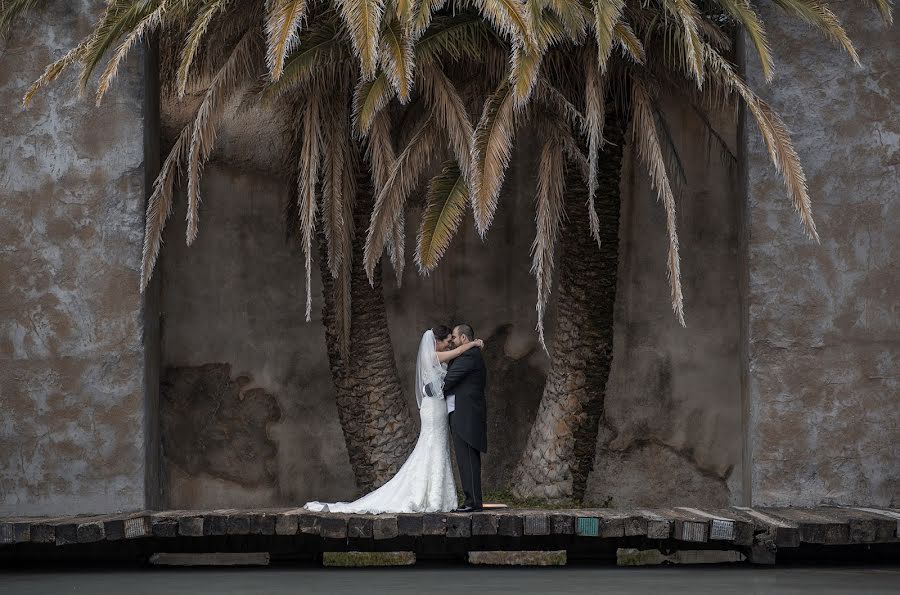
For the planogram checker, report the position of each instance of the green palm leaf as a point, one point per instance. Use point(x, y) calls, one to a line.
point(445, 205)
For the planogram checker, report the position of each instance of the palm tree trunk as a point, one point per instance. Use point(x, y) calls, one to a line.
point(560, 450)
point(374, 415)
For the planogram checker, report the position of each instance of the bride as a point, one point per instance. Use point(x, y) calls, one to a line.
point(425, 481)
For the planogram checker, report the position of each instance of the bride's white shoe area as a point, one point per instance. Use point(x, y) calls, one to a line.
point(425, 481)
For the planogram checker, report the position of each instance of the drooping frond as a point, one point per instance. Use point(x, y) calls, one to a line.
point(380, 149)
point(629, 42)
point(10, 10)
point(52, 72)
point(450, 112)
point(463, 36)
point(396, 247)
point(744, 14)
point(607, 14)
point(549, 208)
point(884, 9)
point(146, 26)
point(120, 16)
point(774, 133)
point(687, 15)
point(363, 20)
point(397, 58)
point(510, 19)
point(445, 205)
point(819, 15)
point(391, 199)
point(320, 49)
point(337, 188)
point(369, 99)
point(193, 38)
point(308, 176)
point(594, 122)
point(649, 150)
point(205, 128)
point(159, 205)
point(490, 154)
point(283, 20)
point(422, 15)
point(574, 16)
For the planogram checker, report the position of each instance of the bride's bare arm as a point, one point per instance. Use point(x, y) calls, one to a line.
point(446, 356)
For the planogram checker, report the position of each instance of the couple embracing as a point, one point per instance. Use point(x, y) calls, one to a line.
point(450, 380)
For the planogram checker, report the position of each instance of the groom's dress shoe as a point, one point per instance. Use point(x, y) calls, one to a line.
point(468, 509)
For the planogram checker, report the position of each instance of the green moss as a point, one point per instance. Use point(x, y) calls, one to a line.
point(503, 496)
point(368, 559)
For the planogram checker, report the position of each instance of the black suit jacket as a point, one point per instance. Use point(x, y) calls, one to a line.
point(466, 378)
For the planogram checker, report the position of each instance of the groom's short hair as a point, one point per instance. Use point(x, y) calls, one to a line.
point(465, 329)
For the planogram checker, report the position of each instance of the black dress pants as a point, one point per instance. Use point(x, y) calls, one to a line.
point(468, 459)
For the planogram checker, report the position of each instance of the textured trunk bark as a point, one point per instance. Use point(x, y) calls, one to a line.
point(559, 453)
point(375, 418)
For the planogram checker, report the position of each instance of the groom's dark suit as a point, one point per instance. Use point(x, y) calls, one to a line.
point(466, 377)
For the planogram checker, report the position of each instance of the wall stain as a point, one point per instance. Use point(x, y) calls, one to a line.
point(217, 425)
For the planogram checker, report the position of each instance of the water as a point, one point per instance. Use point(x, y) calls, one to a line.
point(438, 580)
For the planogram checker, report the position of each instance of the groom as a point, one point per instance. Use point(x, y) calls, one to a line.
point(464, 390)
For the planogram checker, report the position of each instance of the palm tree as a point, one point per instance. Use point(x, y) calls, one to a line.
point(338, 66)
point(582, 95)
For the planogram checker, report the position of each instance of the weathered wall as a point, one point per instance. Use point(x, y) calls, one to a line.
point(671, 428)
point(72, 361)
point(236, 298)
point(823, 326)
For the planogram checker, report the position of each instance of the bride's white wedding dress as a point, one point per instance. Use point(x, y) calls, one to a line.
point(425, 481)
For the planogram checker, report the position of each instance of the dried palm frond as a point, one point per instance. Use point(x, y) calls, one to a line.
point(308, 168)
point(194, 36)
point(607, 14)
point(629, 42)
point(380, 149)
point(884, 9)
point(369, 99)
point(52, 72)
point(283, 20)
point(816, 13)
point(549, 208)
point(509, 18)
point(574, 16)
point(146, 26)
point(396, 247)
point(490, 154)
point(645, 137)
point(445, 205)
point(594, 122)
point(397, 58)
point(403, 179)
point(743, 12)
point(422, 15)
point(774, 133)
point(363, 20)
point(159, 205)
point(321, 49)
point(203, 137)
point(687, 15)
point(450, 114)
point(10, 10)
point(338, 187)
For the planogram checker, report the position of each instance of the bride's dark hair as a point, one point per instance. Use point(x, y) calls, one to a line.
point(441, 332)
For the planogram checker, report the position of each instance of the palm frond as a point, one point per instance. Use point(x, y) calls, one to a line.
point(396, 247)
point(308, 176)
point(573, 15)
point(445, 102)
point(422, 15)
point(629, 42)
point(11, 10)
point(774, 133)
point(686, 14)
point(145, 27)
point(283, 20)
point(194, 37)
point(607, 14)
point(397, 58)
point(884, 9)
point(649, 150)
point(52, 72)
point(445, 205)
point(380, 150)
point(548, 215)
point(363, 20)
point(744, 14)
point(490, 154)
point(120, 17)
point(159, 205)
point(818, 14)
point(594, 122)
point(320, 49)
point(509, 18)
point(205, 127)
point(337, 188)
point(463, 36)
point(391, 199)
point(369, 99)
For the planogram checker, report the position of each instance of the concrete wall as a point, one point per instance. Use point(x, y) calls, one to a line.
point(76, 416)
point(672, 420)
point(823, 320)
